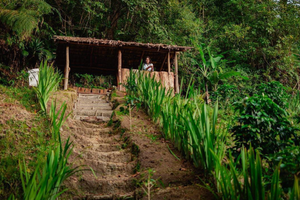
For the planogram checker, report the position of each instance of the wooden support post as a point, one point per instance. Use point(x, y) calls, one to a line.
point(142, 57)
point(91, 56)
point(176, 73)
point(119, 70)
point(169, 63)
point(67, 69)
point(163, 63)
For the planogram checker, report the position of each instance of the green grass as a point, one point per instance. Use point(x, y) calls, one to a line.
point(42, 159)
point(25, 96)
point(22, 139)
point(47, 177)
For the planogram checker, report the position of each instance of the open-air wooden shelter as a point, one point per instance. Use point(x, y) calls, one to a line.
point(111, 57)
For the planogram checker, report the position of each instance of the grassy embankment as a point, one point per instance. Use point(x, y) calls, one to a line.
point(33, 157)
point(197, 132)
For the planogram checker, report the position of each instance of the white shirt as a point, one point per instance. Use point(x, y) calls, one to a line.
point(146, 66)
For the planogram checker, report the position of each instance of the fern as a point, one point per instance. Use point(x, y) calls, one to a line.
point(23, 17)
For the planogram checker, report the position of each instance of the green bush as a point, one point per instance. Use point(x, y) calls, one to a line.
point(226, 94)
point(289, 160)
point(275, 91)
point(264, 124)
point(93, 81)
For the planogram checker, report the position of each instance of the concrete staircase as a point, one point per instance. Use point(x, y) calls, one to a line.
point(92, 107)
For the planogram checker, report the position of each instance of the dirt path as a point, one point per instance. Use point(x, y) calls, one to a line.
point(176, 178)
point(96, 148)
point(121, 159)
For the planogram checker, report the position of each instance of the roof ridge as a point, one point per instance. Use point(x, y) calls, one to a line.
point(108, 42)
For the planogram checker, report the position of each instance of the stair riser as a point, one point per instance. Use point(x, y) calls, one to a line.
point(108, 157)
point(87, 101)
point(94, 113)
point(106, 187)
point(104, 169)
point(93, 96)
point(92, 107)
point(91, 118)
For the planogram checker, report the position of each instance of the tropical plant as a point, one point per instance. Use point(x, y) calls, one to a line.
point(45, 181)
point(57, 118)
point(289, 161)
point(186, 121)
point(92, 81)
point(293, 106)
point(247, 183)
point(23, 17)
point(226, 95)
point(211, 71)
point(295, 192)
point(48, 82)
point(207, 67)
point(275, 91)
point(36, 52)
point(263, 124)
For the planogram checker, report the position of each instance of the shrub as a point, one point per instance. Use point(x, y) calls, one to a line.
point(92, 81)
point(289, 160)
point(275, 91)
point(263, 124)
point(226, 94)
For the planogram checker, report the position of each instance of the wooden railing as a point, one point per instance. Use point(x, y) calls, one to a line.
point(166, 79)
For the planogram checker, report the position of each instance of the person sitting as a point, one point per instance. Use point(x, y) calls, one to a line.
point(148, 66)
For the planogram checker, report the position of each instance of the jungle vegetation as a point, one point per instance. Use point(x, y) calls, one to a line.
point(245, 56)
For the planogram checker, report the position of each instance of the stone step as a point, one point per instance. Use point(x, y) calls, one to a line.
point(94, 131)
point(106, 147)
point(120, 195)
point(92, 96)
point(99, 138)
point(102, 168)
point(104, 113)
point(91, 118)
point(90, 101)
point(97, 188)
point(94, 137)
point(93, 106)
point(111, 156)
point(101, 147)
point(93, 103)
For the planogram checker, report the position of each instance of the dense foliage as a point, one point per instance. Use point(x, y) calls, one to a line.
point(255, 37)
point(263, 124)
point(250, 63)
point(91, 81)
point(193, 127)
